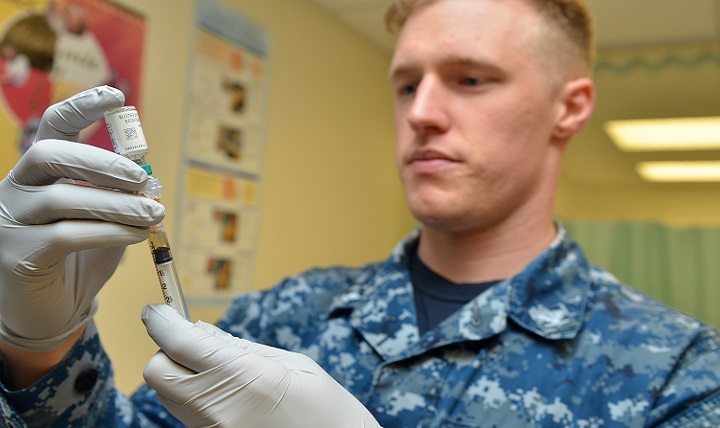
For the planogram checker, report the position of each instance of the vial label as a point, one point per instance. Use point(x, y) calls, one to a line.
point(126, 132)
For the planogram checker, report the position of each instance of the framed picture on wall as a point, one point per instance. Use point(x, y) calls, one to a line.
point(53, 49)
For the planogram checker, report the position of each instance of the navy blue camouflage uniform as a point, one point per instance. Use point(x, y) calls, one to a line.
point(562, 344)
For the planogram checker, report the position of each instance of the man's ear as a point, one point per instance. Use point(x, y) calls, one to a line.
point(578, 102)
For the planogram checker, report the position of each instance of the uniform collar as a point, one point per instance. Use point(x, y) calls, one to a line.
point(547, 298)
point(550, 295)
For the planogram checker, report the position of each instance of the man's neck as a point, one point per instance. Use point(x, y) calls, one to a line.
point(485, 255)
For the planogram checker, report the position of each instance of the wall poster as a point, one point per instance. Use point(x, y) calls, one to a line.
point(224, 140)
point(53, 49)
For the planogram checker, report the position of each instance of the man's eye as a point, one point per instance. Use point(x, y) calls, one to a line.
point(470, 81)
point(407, 89)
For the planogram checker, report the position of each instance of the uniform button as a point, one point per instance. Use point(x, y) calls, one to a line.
point(86, 380)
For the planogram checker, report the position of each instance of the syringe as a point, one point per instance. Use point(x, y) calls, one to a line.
point(128, 140)
point(166, 272)
point(161, 254)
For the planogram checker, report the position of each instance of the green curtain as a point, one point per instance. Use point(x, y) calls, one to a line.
point(677, 266)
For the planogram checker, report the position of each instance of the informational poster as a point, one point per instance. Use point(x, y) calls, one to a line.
point(53, 49)
point(223, 148)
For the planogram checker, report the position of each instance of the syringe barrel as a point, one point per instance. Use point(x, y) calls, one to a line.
point(170, 286)
point(166, 271)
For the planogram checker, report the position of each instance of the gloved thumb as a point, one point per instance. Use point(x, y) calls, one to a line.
point(198, 346)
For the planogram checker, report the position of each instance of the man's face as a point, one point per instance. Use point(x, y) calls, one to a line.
point(474, 113)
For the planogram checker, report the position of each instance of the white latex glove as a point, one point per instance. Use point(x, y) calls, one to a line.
point(60, 242)
point(206, 377)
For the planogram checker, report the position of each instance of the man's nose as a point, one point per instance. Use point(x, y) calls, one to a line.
point(428, 111)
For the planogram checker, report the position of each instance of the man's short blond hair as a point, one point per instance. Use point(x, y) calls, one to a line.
point(570, 18)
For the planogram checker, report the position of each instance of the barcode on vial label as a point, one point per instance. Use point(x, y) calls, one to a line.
point(131, 134)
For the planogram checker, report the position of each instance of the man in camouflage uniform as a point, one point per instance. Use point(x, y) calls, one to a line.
point(487, 316)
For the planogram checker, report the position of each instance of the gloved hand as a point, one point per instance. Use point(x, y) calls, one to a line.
point(60, 242)
point(206, 377)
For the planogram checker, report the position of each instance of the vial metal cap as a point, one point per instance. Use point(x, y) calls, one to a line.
point(119, 110)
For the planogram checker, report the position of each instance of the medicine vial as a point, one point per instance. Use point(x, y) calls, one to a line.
point(126, 133)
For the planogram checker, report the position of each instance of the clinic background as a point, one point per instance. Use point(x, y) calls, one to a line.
point(330, 194)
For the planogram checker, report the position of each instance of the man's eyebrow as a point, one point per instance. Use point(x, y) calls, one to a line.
point(401, 70)
point(480, 63)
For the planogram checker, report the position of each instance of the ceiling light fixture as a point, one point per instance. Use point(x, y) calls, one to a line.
point(680, 171)
point(693, 133)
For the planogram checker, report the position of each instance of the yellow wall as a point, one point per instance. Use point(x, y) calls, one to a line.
point(599, 180)
point(678, 205)
point(329, 192)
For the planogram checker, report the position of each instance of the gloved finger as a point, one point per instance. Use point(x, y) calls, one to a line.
point(187, 414)
point(164, 375)
point(98, 264)
point(48, 204)
point(53, 242)
point(72, 236)
point(185, 342)
point(49, 160)
point(182, 392)
point(173, 383)
point(64, 120)
point(220, 334)
point(287, 359)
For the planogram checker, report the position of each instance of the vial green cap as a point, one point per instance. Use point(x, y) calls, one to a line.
point(147, 168)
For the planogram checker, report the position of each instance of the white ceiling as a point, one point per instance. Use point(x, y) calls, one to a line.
point(636, 29)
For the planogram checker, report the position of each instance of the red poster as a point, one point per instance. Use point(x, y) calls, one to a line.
point(54, 49)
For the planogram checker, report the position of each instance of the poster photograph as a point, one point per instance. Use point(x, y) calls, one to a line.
point(53, 49)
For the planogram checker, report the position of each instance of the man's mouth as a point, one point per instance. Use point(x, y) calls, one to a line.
point(431, 161)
